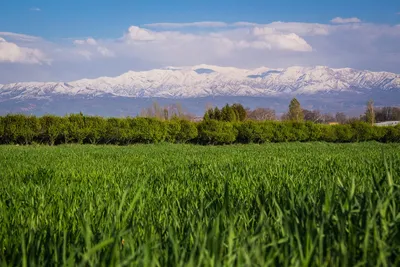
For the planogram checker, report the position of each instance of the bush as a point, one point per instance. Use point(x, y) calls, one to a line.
point(344, 133)
point(362, 131)
point(173, 130)
point(147, 130)
point(77, 128)
point(328, 133)
point(392, 134)
point(52, 128)
point(314, 131)
point(188, 131)
point(216, 132)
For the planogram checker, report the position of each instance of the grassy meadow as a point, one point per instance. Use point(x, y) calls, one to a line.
point(286, 204)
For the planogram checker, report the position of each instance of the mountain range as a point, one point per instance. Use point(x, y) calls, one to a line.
point(186, 84)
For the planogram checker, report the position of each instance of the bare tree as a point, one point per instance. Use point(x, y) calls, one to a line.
point(165, 113)
point(341, 118)
point(313, 116)
point(261, 114)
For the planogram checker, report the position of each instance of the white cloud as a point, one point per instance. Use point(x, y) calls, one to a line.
point(302, 29)
point(36, 9)
point(245, 24)
point(85, 53)
point(242, 44)
point(259, 38)
point(202, 24)
point(291, 42)
point(105, 52)
point(139, 34)
point(272, 39)
point(19, 37)
point(88, 41)
point(92, 47)
point(339, 20)
point(11, 52)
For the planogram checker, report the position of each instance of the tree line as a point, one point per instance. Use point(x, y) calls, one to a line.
point(81, 129)
point(296, 113)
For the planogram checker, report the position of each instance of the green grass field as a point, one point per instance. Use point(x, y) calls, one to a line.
point(297, 204)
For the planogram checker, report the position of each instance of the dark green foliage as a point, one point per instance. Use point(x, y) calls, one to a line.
point(240, 112)
point(228, 113)
point(81, 129)
point(216, 115)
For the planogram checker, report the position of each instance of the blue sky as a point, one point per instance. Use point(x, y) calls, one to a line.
point(106, 18)
point(64, 40)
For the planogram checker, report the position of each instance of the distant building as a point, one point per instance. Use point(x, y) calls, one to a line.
point(387, 123)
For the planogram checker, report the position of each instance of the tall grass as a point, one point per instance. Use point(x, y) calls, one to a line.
point(298, 204)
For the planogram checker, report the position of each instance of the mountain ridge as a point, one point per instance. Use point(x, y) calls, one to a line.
point(208, 80)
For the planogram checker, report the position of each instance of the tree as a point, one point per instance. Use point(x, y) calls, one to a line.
point(387, 114)
point(341, 118)
point(313, 116)
point(51, 128)
point(209, 114)
point(295, 111)
point(261, 114)
point(370, 113)
point(217, 114)
point(239, 111)
point(228, 114)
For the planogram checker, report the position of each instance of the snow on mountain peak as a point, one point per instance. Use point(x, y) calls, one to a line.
point(209, 80)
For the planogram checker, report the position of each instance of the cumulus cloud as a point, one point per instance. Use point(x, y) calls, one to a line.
point(139, 34)
point(11, 52)
point(272, 39)
point(241, 44)
point(258, 38)
point(339, 20)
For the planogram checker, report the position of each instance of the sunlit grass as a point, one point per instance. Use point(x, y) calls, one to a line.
point(298, 204)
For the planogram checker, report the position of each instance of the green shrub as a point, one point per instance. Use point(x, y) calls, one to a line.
point(328, 134)
point(188, 131)
point(77, 128)
point(362, 131)
point(344, 133)
point(52, 128)
point(314, 131)
point(392, 134)
point(173, 130)
point(216, 132)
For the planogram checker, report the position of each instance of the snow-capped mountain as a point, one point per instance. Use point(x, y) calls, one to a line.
point(206, 80)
